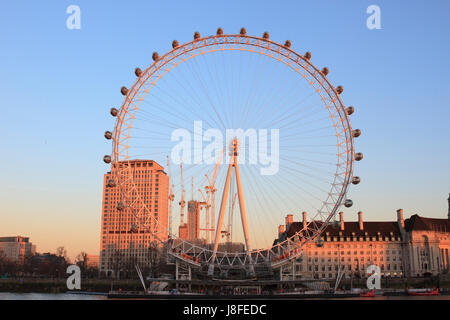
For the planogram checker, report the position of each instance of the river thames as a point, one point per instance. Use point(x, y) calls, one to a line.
point(70, 296)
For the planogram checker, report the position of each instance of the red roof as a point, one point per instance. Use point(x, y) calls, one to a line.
point(351, 228)
point(427, 224)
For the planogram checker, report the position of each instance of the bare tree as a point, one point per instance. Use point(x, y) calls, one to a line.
point(81, 260)
point(61, 252)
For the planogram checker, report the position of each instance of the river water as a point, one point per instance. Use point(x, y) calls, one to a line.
point(70, 296)
point(49, 296)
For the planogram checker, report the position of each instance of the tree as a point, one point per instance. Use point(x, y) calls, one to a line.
point(153, 258)
point(7, 266)
point(61, 252)
point(81, 261)
point(59, 265)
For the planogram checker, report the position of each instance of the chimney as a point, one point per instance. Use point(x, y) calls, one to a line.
point(289, 220)
point(341, 215)
point(400, 220)
point(304, 219)
point(360, 221)
point(280, 230)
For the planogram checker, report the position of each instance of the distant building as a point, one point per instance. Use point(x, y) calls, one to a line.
point(121, 242)
point(183, 231)
point(93, 260)
point(413, 247)
point(17, 248)
point(191, 230)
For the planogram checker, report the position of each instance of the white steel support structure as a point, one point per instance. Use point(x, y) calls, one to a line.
point(183, 271)
point(223, 205)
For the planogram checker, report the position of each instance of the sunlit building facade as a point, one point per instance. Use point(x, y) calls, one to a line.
point(121, 246)
point(413, 247)
point(16, 249)
point(193, 222)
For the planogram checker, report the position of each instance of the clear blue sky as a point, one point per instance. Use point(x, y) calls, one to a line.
point(57, 86)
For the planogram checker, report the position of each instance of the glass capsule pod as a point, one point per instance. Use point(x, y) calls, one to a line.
point(114, 112)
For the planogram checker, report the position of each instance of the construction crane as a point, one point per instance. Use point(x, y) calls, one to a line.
point(206, 204)
point(211, 191)
point(182, 203)
point(192, 189)
point(171, 198)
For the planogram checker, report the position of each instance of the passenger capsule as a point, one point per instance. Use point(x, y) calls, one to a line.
point(336, 224)
point(175, 44)
point(348, 203)
point(243, 32)
point(107, 159)
point(219, 31)
point(307, 55)
point(134, 228)
point(356, 133)
point(356, 180)
point(319, 243)
point(124, 90)
point(111, 183)
point(339, 89)
point(120, 206)
point(155, 56)
point(287, 44)
point(138, 72)
point(196, 35)
point(114, 112)
point(266, 35)
point(108, 135)
point(350, 110)
point(358, 156)
point(325, 71)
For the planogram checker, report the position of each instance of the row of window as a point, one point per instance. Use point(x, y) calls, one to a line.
point(348, 267)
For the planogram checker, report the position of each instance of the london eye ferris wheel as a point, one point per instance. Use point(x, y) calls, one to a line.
point(247, 129)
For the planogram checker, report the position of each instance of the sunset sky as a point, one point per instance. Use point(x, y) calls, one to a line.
point(57, 86)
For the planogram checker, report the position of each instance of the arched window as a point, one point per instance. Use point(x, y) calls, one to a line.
point(425, 253)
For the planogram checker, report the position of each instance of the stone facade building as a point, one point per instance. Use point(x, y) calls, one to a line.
point(17, 248)
point(413, 247)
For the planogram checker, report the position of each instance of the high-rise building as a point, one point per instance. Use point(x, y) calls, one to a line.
point(123, 244)
point(193, 223)
point(17, 248)
point(191, 229)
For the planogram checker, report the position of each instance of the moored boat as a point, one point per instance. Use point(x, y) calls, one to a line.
point(434, 292)
point(368, 294)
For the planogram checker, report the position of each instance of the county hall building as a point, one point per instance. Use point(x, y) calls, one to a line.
point(410, 247)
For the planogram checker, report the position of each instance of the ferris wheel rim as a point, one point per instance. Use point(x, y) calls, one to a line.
point(282, 50)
